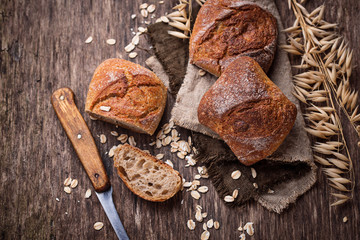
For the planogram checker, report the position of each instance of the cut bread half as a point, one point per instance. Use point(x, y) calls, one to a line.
point(146, 176)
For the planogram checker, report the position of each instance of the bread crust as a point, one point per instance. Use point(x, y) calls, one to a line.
point(153, 159)
point(248, 111)
point(135, 95)
point(225, 30)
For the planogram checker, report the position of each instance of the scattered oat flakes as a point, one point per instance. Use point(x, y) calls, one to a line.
point(111, 41)
point(270, 191)
point(242, 236)
point(74, 183)
point(191, 224)
point(158, 20)
point(255, 185)
point(204, 214)
point(164, 19)
point(235, 193)
point(142, 29)
point(216, 225)
point(114, 133)
point(210, 223)
point(204, 226)
point(123, 138)
point(161, 2)
point(187, 184)
point(168, 162)
point(203, 189)
point(236, 174)
point(158, 143)
point(195, 194)
point(133, 55)
point(67, 190)
point(201, 72)
point(143, 5)
point(93, 118)
point(197, 176)
point(79, 136)
point(132, 141)
point(198, 215)
point(98, 226)
point(228, 198)
point(89, 40)
point(57, 199)
point(160, 156)
point(144, 13)
point(205, 235)
point(67, 181)
point(133, 16)
point(196, 182)
point(249, 228)
point(135, 40)
point(253, 172)
point(105, 108)
point(88, 193)
point(190, 160)
point(102, 138)
point(167, 140)
point(240, 229)
point(180, 155)
point(345, 219)
point(129, 47)
point(112, 151)
point(151, 8)
point(147, 151)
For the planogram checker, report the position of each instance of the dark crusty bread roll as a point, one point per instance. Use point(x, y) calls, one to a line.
point(146, 176)
point(126, 94)
point(248, 111)
point(227, 29)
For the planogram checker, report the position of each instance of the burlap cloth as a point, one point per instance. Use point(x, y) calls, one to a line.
point(289, 172)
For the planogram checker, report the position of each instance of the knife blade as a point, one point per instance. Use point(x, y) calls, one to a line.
point(85, 147)
point(106, 201)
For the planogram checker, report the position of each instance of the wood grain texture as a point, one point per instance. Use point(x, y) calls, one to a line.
point(43, 49)
point(80, 137)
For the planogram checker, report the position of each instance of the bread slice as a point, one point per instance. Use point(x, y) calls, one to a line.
point(146, 176)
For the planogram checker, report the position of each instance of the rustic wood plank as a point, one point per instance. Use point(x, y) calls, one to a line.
point(42, 49)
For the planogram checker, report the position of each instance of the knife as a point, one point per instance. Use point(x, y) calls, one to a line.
point(84, 145)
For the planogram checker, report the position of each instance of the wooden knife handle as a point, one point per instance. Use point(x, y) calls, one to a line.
point(80, 137)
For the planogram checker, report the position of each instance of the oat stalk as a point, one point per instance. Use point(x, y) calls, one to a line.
point(324, 86)
point(181, 18)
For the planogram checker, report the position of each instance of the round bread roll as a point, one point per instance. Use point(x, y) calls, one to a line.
point(225, 30)
point(126, 94)
point(248, 111)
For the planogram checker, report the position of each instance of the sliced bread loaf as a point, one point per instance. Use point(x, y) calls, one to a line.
point(146, 176)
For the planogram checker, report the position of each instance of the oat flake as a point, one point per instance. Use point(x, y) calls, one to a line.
point(98, 226)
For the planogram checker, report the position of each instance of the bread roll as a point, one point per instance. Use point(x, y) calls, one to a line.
point(225, 30)
point(126, 94)
point(146, 176)
point(248, 111)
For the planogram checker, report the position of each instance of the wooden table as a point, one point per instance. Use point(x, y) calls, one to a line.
point(43, 49)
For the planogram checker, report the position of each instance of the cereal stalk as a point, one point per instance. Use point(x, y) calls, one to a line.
point(181, 18)
point(324, 86)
